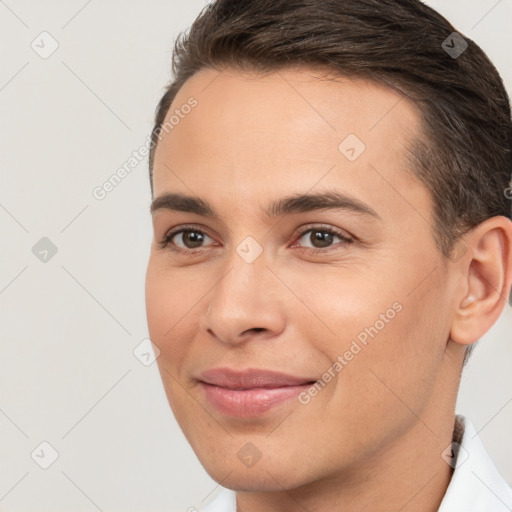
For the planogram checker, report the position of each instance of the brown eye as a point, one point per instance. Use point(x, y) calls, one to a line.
point(322, 238)
point(190, 239)
point(185, 239)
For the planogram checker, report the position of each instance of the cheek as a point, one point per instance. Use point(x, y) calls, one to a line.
point(400, 362)
point(167, 305)
point(168, 311)
point(167, 298)
point(342, 305)
point(158, 308)
point(384, 334)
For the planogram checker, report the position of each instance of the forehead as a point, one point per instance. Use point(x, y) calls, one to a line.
point(288, 130)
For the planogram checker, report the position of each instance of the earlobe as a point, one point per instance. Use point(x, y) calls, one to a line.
point(487, 274)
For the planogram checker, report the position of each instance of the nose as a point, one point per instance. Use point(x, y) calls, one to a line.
point(244, 304)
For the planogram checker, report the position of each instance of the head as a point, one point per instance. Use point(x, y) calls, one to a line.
point(341, 118)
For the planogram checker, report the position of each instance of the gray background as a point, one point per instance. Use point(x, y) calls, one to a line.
point(68, 326)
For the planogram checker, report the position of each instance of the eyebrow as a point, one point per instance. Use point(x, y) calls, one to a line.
point(298, 203)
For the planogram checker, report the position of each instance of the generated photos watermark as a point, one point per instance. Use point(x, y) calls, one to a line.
point(357, 345)
point(100, 192)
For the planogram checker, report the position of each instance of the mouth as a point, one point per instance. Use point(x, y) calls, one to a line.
point(251, 392)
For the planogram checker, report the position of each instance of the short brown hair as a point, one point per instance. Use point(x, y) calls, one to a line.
point(464, 153)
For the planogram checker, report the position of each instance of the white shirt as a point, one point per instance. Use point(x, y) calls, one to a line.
point(475, 486)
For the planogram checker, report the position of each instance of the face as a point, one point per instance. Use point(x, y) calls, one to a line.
point(302, 301)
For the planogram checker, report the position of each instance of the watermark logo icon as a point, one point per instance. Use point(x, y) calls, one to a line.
point(455, 455)
point(249, 455)
point(249, 249)
point(44, 45)
point(44, 455)
point(146, 352)
point(454, 45)
point(352, 147)
point(44, 250)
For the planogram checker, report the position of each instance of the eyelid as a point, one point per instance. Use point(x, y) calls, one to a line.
point(163, 244)
point(346, 237)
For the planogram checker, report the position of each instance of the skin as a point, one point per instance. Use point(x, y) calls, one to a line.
point(372, 438)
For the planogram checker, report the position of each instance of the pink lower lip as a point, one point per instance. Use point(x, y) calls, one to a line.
point(249, 402)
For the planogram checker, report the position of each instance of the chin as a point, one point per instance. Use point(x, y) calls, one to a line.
point(251, 480)
point(264, 476)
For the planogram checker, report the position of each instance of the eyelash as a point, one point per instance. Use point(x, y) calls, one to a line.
point(321, 228)
point(183, 229)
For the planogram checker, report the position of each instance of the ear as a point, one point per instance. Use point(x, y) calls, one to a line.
point(485, 279)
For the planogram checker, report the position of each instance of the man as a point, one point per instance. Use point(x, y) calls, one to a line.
point(332, 236)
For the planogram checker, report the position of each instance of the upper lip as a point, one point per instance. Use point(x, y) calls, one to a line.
point(251, 378)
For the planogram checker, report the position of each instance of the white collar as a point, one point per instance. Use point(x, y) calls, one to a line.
point(475, 486)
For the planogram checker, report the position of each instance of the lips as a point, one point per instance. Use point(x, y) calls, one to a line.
point(251, 392)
